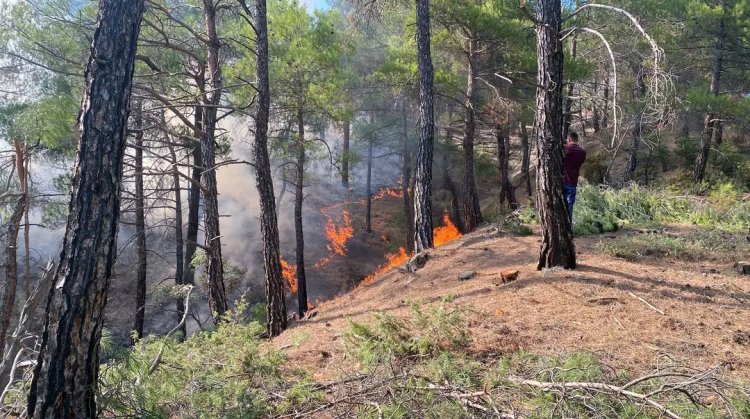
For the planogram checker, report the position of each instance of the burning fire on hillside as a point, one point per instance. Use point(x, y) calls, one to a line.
point(442, 235)
point(289, 272)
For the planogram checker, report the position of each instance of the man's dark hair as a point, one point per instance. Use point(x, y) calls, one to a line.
point(573, 136)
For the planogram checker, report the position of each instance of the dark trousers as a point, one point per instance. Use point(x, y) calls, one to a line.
point(570, 198)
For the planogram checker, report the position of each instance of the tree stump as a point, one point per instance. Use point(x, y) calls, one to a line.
point(743, 268)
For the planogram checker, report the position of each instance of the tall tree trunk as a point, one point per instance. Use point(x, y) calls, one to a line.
point(345, 153)
point(712, 131)
point(423, 235)
point(594, 106)
point(637, 133)
point(526, 160)
point(26, 229)
point(179, 274)
point(568, 112)
point(67, 370)
point(408, 200)
point(194, 201)
point(557, 247)
point(449, 185)
point(472, 210)
point(269, 228)
point(298, 231)
point(368, 206)
point(217, 300)
point(11, 262)
point(507, 191)
point(140, 226)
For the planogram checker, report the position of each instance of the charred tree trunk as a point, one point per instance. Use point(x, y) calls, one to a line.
point(11, 262)
point(179, 273)
point(194, 201)
point(526, 160)
point(217, 300)
point(712, 131)
point(269, 227)
point(557, 239)
point(507, 191)
point(408, 200)
point(450, 186)
point(423, 235)
point(140, 227)
point(67, 370)
point(345, 153)
point(368, 206)
point(472, 210)
point(298, 231)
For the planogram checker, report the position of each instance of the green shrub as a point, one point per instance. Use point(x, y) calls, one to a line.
point(425, 333)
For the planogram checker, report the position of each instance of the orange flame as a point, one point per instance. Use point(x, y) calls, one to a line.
point(445, 234)
point(289, 272)
point(392, 260)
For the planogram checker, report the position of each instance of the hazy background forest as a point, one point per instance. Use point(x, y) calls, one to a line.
point(657, 90)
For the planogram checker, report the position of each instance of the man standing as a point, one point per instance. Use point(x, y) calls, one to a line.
point(574, 157)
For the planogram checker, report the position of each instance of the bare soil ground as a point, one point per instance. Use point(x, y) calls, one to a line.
point(706, 307)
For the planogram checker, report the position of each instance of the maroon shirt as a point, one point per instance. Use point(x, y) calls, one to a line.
point(574, 157)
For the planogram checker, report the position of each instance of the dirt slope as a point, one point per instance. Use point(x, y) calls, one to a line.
point(592, 308)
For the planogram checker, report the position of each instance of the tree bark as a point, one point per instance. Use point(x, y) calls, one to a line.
point(472, 210)
point(194, 201)
point(140, 227)
point(712, 131)
point(557, 247)
point(408, 200)
point(507, 191)
point(423, 235)
point(526, 160)
point(449, 185)
point(217, 300)
point(298, 230)
point(368, 206)
point(637, 133)
point(345, 153)
point(11, 262)
point(269, 228)
point(179, 274)
point(67, 370)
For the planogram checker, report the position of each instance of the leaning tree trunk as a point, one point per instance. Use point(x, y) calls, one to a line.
point(368, 205)
point(298, 231)
point(507, 191)
point(345, 153)
point(526, 160)
point(67, 370)
point(11, 262)
point(423, 235)
point(557, 239)
point(472, 210)
point(140, 227)
point(712, 125)
point(217, 299)
point(194, 201)
point(179, 274)
point(408, 200)
point(269, 228)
